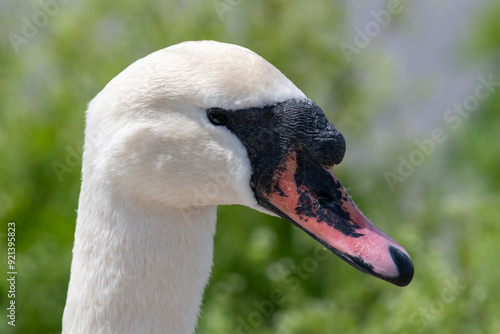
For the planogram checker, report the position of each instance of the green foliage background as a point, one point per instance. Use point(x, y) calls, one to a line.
point(446, 214)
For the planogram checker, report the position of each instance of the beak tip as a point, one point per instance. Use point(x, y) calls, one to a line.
point(404, 265)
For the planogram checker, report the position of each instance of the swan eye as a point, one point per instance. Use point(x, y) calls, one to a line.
point(218, 117)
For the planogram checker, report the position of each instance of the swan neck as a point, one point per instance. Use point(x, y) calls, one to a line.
point(137, 269)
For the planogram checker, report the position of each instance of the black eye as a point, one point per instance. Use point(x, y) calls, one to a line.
point(218, 117)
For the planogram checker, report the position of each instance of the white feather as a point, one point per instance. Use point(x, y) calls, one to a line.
point(154, 169)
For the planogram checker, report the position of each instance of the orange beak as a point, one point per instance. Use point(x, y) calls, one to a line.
point(311, 197)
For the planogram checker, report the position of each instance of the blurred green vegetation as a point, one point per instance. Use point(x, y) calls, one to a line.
point(446, 214)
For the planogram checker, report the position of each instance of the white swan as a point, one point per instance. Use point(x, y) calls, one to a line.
point(177, 133)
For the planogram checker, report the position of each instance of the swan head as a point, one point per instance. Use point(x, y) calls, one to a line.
point(206, 123)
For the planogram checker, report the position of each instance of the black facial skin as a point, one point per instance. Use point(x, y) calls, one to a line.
point(269, 134)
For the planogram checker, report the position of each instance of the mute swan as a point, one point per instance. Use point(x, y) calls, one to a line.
point(187, 128)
